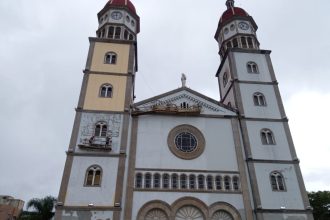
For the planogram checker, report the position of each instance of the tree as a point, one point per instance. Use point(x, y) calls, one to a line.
point(320, 201)
point(43, 208)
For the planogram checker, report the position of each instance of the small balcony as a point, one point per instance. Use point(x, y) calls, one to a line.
point(97, 143)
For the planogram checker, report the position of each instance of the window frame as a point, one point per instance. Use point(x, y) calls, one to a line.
point(252, 67)
point(259, 99)
point(107, 86)
point(265, 135)
point(277, 174)
point(113, 58)
point(103, 125)
point(94, 168)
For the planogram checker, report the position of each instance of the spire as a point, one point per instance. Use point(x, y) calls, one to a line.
point(230, 3)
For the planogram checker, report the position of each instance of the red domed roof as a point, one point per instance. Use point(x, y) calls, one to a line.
point(123, 3)
point(232, 12)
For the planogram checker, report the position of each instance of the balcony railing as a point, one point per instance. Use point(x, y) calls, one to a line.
point(97, 143)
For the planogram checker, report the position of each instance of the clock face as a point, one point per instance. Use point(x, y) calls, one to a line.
point(116, 15)
point(243, 26)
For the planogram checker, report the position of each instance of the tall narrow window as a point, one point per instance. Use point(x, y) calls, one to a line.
point(244, 43)
point(235, 42)
point(183, 181)
point(147, 181)
point(218, 182)
point(117, 33)
point(277, 181)
point(201, 180)
point(174, 181)
point(126, 35)
point(166, 181)
point(138, 180)
point(259, 99)
point(106, 91)
point(93, 176)
point(101, 129)
point(225, 79)
point(192, 181)
point(250, 42)
point(110, 58)
point(227, 183)
point(111, 32)
point(209, 180)
point(252, 67)
point(267, 137)
point(236, 183)
point(156, 180)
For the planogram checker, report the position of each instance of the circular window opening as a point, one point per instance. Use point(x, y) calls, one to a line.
point(186, 142)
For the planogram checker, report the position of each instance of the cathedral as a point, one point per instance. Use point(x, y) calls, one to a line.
point(180, 155)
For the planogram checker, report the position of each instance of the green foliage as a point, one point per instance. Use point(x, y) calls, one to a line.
point(320, 201)
point(43, 209)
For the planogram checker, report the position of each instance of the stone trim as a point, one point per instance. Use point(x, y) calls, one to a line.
point(257, 82)
point(223, 206)
point(86, 71)
point(156, 204)
point(293, 211)
point(251, 160)
point(108, 40)
point(265, 119)
point(95, 154)
point(131, 170)
point(90, 55)
point(75, 132)
point(102, 112)
point(199, 116)
point(189, 201)
point(186, 171)
point(121, 166)
point(243, 174)
point(186, 155)
point(250, 166)
point(88, 208)
point(83, 91)
point(213, 191)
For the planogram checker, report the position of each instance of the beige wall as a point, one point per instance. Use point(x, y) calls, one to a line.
point(122, 51)
point(94, 102)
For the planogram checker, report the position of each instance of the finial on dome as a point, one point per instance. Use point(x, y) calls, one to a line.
point(230, 3)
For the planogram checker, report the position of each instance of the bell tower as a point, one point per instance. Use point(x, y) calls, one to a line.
point(247, 83)
point(94, 173)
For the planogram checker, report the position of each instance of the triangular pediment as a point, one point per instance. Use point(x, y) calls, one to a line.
point(184, 100)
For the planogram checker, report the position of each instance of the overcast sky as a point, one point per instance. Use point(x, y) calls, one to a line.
point(43, 50)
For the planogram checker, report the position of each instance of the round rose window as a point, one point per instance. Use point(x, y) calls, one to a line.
point(186, 142)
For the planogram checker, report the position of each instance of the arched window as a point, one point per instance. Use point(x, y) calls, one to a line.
point(111, 32)
point(192, 181)
point(252, 67)
point(166, 181)
point(174, 181)
point(101, 129)
point(267, 137)
point(209, 181)
point(227, 183)
point(138, 180)
point(106, 91)
point(250, 42)
point(201, 180)
point(236, 183)
point(183, 181)
point(277, 181)
point(225, 79)
point(93, 176)
point(147, 181)
point(259, 99)
point(126, 35)
point(110, 58)
point(218, 182)
point(156, 180)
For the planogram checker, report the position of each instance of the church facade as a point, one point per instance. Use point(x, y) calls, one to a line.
point(180, 155)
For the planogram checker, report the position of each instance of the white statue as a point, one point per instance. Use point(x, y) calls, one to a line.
point(183, 80)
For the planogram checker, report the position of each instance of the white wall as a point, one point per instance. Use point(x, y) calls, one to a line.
point(279, 151)
point(153, 151)
point(78, 195)
point(290, 199)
